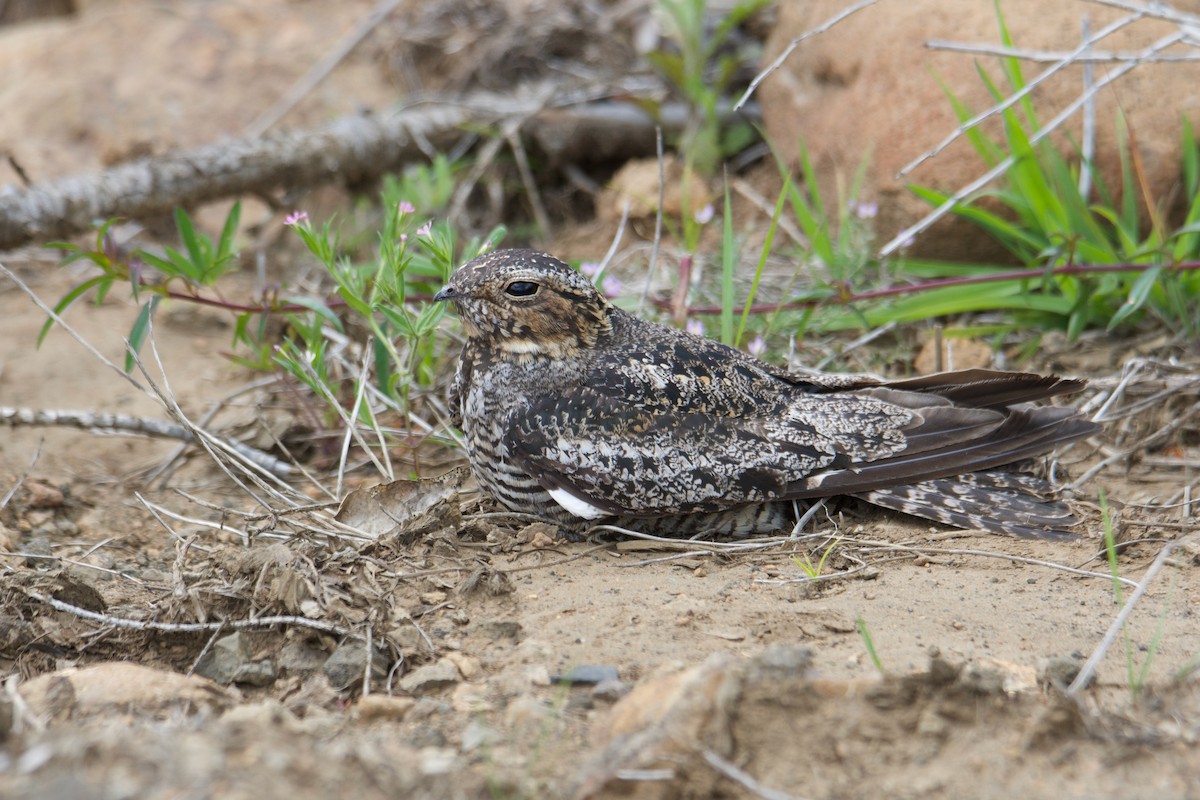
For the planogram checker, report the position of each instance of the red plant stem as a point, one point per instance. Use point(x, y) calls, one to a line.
point(264, 308)
point(843, 298)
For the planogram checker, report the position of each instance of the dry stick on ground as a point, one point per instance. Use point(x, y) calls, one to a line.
point(1051, 56)
point(540, 215)
point(1142, 444)
point(167, 467)
point(20, 481)
point(348, 151)
point(158, 397)
point(187, 627)
point(99, 421)
point(221, 453)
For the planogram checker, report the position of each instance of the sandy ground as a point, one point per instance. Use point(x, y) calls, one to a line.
point(776, 678)
point(694, 671)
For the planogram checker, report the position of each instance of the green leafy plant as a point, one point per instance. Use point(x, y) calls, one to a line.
point(200, 263)
point(387, 295)
point(701, 69)
point(1049, 223)
point(808, 567)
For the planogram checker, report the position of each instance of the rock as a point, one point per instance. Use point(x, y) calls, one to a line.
point(500, 629)
point(41, 495)
point(636, 184)
point(869, 86)
point(781, 662)
point(430, 677)
point(472, 698)
point(476, 735)
point(1059, 671)
point(299, 655)
point(231, 660)
point(525, 715)
point(346, 666)
point(587, 675)
point(383, 708)
point(437, 760)
point(468, 666)
point(122, 687)
point(537, 675)
point(610, 691)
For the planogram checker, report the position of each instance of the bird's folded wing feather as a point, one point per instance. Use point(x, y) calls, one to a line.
point(631, 459)
point(634, 460)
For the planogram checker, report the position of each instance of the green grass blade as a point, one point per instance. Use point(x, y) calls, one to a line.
point(137, 334)
point(1138, 294)
point(67, 300)
point(728, 267)
point(318, 308)
point(869, 643)
point(762, 262)
point(191, 241)
point(225, 244)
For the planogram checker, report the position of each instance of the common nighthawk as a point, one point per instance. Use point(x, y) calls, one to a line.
point(579, 412)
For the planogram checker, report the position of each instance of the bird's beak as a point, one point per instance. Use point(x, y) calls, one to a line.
point(448, 292)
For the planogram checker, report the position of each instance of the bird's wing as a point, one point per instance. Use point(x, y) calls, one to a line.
point(638, 460)
point(631, 459)
point(940, 447)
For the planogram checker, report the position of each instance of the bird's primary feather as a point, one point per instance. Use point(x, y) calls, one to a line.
point(572, 408)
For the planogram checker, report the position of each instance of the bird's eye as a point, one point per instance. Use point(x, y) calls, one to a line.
point(521, 289)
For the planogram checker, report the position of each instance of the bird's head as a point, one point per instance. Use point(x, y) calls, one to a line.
point(524, 302)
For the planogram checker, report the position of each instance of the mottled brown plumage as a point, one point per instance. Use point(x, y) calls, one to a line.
point(577, 411)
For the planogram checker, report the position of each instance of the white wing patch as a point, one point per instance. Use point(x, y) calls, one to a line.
point(580, 508)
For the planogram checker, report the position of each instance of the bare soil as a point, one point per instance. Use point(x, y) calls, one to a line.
point(776, 679)
point(721, 673)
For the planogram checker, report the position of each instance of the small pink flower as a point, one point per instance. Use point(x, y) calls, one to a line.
point(611, 286)
point(404, 207)
point(295, 218)
point(864, 210)
point(403, 238)
point(425, 229)
point(705, 215)
point(695, 327)
point(590, 268)
point(757, 346)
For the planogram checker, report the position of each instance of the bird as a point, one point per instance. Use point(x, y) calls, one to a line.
point(582, 414)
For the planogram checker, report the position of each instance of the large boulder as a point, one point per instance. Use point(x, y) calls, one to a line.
point(870, 85)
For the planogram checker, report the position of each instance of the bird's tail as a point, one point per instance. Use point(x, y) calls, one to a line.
point(1017, 504)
